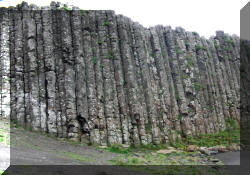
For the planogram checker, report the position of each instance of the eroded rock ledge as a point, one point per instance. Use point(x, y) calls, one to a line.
point(98, 77)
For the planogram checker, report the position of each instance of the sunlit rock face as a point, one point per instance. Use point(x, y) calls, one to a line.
point(98, 77)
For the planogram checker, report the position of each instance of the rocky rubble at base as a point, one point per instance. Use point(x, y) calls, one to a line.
point(213, 150)
point(169, 156)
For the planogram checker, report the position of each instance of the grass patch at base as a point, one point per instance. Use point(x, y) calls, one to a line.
point(75, 156)
point(4, 137)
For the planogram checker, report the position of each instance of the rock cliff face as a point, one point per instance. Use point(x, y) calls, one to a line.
point(98, 77)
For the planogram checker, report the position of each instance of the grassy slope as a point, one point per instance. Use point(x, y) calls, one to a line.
point(128, 158)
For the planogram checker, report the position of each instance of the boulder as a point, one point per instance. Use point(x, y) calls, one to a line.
point(192, 148)
point(206, 151)
point(234, 147)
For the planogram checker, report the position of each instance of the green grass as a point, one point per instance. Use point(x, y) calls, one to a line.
point(1, 172)
point(75, 156)
point(4, 137)
point(230, 135)
point(116, 148)
point(162, 51)
point(119, 149)
point(173, 158)
point(146, 154)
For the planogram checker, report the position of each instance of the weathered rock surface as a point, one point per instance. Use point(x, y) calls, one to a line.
point(98, 77)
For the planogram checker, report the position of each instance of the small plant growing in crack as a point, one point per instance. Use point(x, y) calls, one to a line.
point(102, 65)
point(84, 12)
point(195, 33)
point(106, 23)
point(66, 8)
point(94, 60)
point(179, 116)
point(111, 54)
point(99, 42)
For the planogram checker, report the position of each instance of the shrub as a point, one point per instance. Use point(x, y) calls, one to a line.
point(170, 60)
point(148, 127)
point(185, 76)
point(83, 12)
point(195, 33)
point(198, 47)
point(94, 60)
point(66, 8)
point(179, 51)
point(124, 83)
point(179, 116)
point(102, 65)
point(204, 48)
point(93, 50)
point(216, 45)
point(230, 41)
point(152, 54)
point(177, 96)
point(99, 42)
point(190, 62)
point(106, 23)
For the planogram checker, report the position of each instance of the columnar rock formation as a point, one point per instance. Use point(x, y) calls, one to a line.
point(244, 90)
point(98, 77)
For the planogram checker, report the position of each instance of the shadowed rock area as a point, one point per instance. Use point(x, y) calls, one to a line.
point(100, 78)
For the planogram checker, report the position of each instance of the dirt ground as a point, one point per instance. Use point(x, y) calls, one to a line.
point(4, 144)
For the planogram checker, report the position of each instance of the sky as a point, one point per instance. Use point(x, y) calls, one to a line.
point(204, 17)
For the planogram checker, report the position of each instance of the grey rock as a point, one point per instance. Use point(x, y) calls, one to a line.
point(103, 79)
